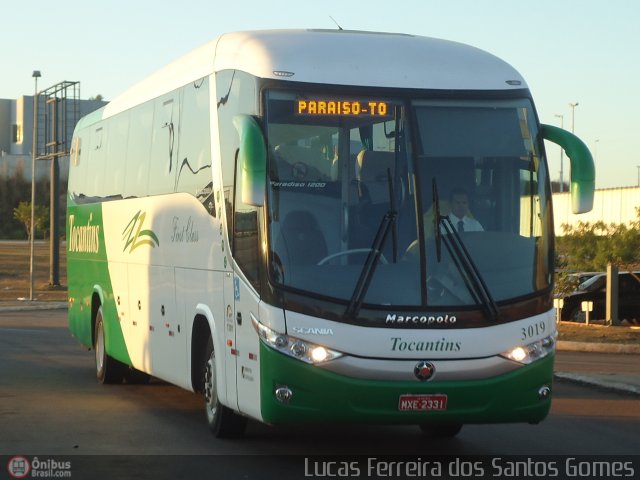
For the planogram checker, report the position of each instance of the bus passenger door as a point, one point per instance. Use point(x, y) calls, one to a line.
point(230, 348)
point(242, 345)
point(247, 347)
point(246, 286)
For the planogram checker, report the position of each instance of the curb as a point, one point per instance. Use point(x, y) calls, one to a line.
point(599, 382)
point(568, 346)
point(32, 305)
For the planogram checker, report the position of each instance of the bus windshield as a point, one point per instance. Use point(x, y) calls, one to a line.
point(397, 201)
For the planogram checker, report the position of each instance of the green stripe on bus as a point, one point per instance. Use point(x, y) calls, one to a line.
point(88, 277)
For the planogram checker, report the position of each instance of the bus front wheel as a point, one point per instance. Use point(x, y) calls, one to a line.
point(108, 370)
point(222, 421)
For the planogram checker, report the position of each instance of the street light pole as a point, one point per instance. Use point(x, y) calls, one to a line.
point(573, 115)
point(561, 117)
point(36, 74)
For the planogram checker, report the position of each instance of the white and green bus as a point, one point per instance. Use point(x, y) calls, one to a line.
point(267, 221)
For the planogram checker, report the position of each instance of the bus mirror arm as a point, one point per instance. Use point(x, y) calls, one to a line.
point(252, 156)
point(583, 173)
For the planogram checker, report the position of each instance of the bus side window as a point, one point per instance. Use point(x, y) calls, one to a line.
point(79, 166)
point(138, 151)
point(116, 156)
point(246, 242)
point(236, 94)
point(164, 144)
point(194, 148)
point(95, 182)
point(228, 208)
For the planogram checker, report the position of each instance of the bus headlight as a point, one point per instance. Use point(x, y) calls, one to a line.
point(527, 354)
point(294, 347)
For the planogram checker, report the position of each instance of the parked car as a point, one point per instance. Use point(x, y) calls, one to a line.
point(595, 288)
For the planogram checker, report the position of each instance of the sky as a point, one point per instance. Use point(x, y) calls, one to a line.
point(569, 51)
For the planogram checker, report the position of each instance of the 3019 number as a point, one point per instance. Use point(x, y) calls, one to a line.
point(533, 330)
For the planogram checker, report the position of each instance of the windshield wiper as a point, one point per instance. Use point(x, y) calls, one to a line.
point(375, 252)
point(462, 259)
point(436, 219)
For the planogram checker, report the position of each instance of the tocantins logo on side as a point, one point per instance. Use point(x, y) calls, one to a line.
point(135, 236)
point(83, 238)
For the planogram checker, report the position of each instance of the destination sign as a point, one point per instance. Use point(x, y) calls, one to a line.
point(343, 107)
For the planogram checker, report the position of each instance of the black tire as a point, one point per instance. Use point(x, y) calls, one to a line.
point(223, 422)
point(133, 376)
point(441, 431)
point(108, 370)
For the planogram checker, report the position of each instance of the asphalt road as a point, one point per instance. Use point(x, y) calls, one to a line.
point(50, 404)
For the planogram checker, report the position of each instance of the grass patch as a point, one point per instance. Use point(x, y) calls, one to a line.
point(579, 332)
point(14, 271)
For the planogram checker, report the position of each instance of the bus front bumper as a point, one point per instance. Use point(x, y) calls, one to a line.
point(318, 395)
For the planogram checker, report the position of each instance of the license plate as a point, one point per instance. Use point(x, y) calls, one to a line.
point(422, 403)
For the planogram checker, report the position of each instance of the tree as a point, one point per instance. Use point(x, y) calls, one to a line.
point(591, 246)
point(22, 213)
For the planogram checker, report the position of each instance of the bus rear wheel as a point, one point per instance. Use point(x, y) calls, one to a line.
point(222, 421)
point(108, 370)
point(441, 431)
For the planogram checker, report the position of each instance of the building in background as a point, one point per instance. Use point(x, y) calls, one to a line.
point(610, 205)
point(16, 137)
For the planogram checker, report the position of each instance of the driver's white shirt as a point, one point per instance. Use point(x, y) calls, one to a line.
point(470, 224)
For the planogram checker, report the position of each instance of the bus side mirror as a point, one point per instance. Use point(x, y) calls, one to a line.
point(583, 172)
point(252, 156)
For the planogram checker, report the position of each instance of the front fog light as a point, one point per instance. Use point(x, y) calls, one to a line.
point(283, 394)
point(544, 392)
point(527, 354)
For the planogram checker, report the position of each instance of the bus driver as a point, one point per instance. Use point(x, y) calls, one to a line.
point(459, 215)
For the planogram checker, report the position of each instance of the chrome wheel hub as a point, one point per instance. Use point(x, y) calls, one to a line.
point(210, 392)
point(100, 348)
